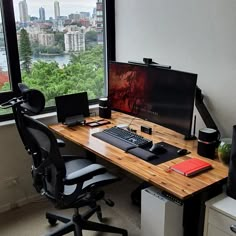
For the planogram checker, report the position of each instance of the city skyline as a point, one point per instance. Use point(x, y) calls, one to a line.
point(67, 7)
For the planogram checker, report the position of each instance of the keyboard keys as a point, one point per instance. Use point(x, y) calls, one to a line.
point(128, 136)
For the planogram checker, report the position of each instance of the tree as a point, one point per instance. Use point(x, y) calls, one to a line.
point(59, 39)
point(25, 51)
point(85, 72)
point(90, 39)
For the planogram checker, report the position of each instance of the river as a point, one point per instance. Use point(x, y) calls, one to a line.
point(61, 60)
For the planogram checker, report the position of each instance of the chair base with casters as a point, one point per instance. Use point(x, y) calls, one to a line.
point(80, 222)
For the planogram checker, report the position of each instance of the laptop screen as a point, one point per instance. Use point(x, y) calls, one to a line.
point(72, 105)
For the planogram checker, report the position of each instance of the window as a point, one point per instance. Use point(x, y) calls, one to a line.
point(4, 76)
point(59, 45)
point(5, 85)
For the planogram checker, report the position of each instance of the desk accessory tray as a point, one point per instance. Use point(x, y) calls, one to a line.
point(97, 123)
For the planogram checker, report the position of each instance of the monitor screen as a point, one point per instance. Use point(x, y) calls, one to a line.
point(162, 96)
point(72, 105)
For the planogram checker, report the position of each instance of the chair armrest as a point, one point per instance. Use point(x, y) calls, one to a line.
point(60, 143)
point(84, 174)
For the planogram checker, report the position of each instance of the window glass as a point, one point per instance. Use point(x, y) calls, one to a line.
point(5, 85)
point(4, 76)
point(61, 46)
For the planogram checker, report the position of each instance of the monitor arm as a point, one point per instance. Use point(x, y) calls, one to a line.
point(204, 113)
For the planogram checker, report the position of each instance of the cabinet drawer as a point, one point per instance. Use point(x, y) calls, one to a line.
point(213, 231)
point(221, 221)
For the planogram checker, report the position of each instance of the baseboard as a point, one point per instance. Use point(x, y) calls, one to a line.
point(19, 203)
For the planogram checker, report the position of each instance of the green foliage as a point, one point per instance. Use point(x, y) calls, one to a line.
point(39, 49)
point(6, 87)
point(59, 39)
point(25, 51)
point(85, 72)
point(51, 50)
point(90, 39)
point(91, 36)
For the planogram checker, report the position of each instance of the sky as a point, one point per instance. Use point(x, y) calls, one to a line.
point(66, 7)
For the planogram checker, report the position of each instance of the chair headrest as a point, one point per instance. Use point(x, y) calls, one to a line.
point(33, 100)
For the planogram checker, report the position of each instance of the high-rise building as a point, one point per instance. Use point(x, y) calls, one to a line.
point(41, 14)
point(94, 12)
point(56, 10)
point(84, 15)
point(46, 39)
point(74, 16)
point(99, 21)
point(75, 40)
point(23, 10)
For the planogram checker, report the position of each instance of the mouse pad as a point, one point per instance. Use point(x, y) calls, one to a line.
point(167, 156)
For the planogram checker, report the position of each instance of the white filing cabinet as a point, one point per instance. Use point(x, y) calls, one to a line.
point(220, 216)
point(160, 214)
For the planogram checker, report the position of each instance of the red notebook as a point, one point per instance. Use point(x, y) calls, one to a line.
point(191, 166)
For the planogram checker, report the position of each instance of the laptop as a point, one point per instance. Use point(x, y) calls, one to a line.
point(72, 108)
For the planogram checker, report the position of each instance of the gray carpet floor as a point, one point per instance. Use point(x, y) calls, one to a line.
point(30, 220)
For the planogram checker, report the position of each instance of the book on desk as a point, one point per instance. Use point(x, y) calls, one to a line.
point(191, 167)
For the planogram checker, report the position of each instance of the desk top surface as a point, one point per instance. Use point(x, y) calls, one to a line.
point(158, 175)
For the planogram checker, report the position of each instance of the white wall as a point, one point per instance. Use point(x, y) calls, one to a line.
point(195, 36)
point(15, 180)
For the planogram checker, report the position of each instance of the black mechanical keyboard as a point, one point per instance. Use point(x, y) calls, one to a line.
point(128, 136)
point(127, 141)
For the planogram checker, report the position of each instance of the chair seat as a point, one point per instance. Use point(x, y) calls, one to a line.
point(98, 180)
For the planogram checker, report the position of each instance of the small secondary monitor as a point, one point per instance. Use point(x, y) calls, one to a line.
point(163, 96)
point(71, 105)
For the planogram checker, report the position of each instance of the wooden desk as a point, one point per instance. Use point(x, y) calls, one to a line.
point(174, 183)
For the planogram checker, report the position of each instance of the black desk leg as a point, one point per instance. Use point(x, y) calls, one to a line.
point(91, 156)
point(194, 211)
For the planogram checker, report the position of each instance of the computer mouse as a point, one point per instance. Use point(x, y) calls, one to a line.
point(157, 148)
point(182, 151)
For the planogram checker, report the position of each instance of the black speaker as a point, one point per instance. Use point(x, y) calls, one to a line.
point(207, 142)
point(231, 182)
point(104, 108)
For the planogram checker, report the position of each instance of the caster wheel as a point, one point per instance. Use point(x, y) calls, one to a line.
point(52, 222)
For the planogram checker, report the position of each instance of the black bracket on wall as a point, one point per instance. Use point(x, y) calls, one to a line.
point(204, 113)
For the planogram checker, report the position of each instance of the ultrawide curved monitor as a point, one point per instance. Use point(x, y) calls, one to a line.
point(163, 96)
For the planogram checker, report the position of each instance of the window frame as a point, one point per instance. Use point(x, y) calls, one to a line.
point(10, 37)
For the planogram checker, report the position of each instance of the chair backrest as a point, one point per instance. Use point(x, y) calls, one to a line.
point(48, 168)
point(31, 101)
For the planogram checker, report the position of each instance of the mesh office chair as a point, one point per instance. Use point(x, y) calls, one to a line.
point(67, 181)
